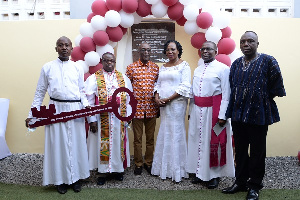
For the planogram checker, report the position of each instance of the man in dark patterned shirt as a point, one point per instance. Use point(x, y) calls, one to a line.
point(255, 79)
point(143, 74)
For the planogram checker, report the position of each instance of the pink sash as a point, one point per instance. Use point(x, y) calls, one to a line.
point(214, 102)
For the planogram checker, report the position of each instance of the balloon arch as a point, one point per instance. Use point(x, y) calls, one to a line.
point(110, 19)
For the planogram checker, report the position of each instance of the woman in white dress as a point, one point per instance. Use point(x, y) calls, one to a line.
point(173, 89)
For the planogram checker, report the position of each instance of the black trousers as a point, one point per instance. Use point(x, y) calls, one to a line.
point(250, 165)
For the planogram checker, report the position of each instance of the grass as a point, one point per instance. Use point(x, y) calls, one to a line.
point(11, 192)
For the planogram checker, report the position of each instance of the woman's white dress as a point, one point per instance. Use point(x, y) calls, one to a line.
point(170, 154)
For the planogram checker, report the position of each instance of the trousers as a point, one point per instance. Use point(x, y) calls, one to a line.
point(138, 125)
point(250, 165)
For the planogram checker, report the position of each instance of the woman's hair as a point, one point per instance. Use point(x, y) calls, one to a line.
point(178, 46)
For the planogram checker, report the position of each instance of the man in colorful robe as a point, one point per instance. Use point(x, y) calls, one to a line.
point(108, 145)
point(210, 153)
point(143, 74)
point(255, 79)
point(66, 158)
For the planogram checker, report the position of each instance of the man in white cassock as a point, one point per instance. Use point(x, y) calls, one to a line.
point(210, 153)
point(66, 158)
point(108, 145)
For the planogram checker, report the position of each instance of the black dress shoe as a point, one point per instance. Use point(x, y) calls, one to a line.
point(234, 189)
point(76, 186)
point(196, 180)
point(252, 194)
point(101, 180)
point(213, 183)
point(138, 170)
point(119, 176)
point(62, 189)
point(148, 168)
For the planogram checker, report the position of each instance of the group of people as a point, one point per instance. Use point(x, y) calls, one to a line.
point(223, 101)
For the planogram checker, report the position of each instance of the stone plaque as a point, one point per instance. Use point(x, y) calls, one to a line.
point(156, 35)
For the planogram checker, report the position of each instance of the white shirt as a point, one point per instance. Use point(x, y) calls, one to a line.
point(62, 80)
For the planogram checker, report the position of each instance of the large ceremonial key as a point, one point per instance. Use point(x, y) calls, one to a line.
point(47, 116)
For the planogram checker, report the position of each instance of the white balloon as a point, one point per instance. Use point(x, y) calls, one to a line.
point(213, 34)
point(98, 23)
point(190, 12)
point(159, 9)
point(77, 40)
point(151, 1)
point(112, 18)
point(221, 19)
point(104, 49)
point(113, 44)
point(83, 64)
point(198, 3)
point(127, 19)
point(234, 55)
point(137, 18)
point(86, 30)
point(92, 58)
point(191, 27)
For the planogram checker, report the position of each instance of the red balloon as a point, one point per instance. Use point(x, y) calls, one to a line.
point(87, 44)
point(226, 46)
point(181, 21)
point(175, 12)
point(226, 32)
point(89, 17)
point(124, 30)
point(115, 34)
point(100, 38)
point(93, 69)
point(144, 9)
point(99, 7)
point(204, 20)
point(299, 156)
point(198, 39)
point(130, 6)
point(86, 75)
point(169, 2)
point(114, 5)
point(223, 59)
point(77, 54)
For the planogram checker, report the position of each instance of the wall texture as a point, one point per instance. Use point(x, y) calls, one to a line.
point(27, 45)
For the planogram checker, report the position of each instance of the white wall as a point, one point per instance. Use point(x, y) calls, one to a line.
point(80, 9)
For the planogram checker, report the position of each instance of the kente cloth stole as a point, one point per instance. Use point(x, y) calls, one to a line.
point(103, 99)
point(216, 140)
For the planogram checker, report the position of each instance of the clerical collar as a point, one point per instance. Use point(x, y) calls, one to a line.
point(62, 60)
point(109, 73)
point(207, 63)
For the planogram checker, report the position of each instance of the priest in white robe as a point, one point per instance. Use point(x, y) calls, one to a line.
point(66, 158)
point(210, 153)
point(108, 145)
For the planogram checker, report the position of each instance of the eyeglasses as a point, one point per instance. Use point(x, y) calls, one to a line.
point(107, 61)
point(144, 50)
point(207, 49)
